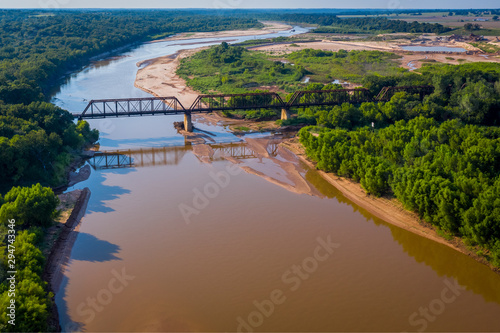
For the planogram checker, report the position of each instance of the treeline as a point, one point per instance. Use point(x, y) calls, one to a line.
point(440, 157)
point(38, 140)
point(36, 47)
point(378, 24)
point(331, 23)
point(448, 173)
point(30, 209)
point(469, 92)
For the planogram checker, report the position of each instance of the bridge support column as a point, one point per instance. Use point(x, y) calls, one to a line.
point(285, 114)
point(188, 124)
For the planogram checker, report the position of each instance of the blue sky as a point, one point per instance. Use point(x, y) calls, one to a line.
point(384, 4)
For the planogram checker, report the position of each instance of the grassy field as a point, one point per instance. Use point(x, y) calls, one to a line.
point(233, 69)
point(486, 47)
point(325, 66)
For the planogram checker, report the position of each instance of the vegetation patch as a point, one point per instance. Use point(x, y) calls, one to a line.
point(440, 157)
point(234, 69)
point(486, 47)
point(352, 66)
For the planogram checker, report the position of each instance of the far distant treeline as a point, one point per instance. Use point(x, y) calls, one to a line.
point(333, 24)
point(354, 11)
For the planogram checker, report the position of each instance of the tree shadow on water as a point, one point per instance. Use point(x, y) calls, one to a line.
point(90, 248)
point(86, 247)
point(102, 193)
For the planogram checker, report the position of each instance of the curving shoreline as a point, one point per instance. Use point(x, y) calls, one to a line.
point(61, 249)
point(389, 210)
point(151, 78)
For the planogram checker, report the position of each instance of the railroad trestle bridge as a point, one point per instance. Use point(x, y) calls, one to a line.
point(150, 106)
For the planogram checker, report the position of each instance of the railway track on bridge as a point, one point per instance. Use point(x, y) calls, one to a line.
point(150, 106)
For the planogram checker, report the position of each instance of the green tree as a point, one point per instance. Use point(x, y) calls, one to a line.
point(29, 206)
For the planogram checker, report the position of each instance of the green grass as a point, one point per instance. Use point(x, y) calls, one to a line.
point(233, 69)
point(480, 32)
point(446, 235)
point(281, 39)
point(324, 66)
point(242, 128)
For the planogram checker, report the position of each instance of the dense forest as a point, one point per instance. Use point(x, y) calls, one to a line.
point(440, 157)
point(38, 140)
point(334, 24)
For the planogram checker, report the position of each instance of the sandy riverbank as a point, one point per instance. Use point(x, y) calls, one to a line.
point(389, 210)
point(158, 77)
point(269, 28)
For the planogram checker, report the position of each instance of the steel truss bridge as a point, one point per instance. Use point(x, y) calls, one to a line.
point(147, 157)
point(128, 107)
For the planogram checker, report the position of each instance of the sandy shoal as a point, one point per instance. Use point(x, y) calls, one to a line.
point(269, 28)
point(158, 78)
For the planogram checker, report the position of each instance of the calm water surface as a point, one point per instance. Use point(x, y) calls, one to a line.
point(433, 48)
point(248, 253)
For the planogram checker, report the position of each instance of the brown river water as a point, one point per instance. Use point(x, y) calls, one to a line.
point(245, 237)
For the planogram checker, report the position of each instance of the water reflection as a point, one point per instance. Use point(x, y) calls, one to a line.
point(156, 156)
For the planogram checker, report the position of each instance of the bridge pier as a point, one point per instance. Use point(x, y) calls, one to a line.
point(285, 114)
point(188, 124)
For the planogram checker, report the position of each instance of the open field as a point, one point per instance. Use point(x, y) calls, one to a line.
point(416, 58)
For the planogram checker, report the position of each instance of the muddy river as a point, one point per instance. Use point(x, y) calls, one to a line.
point(240, 235)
